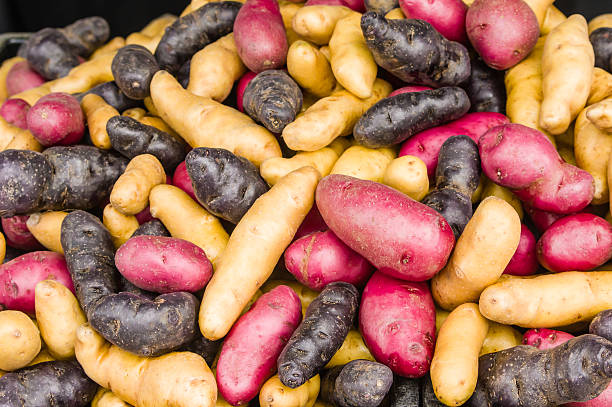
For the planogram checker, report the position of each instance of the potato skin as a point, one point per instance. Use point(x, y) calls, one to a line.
point(348, 205)
point(447, 64)
point(361, 383)
point(394, 119)
point(273, 99)
point(315, 341)
point(194, 31)
point(226, 184)
point(249, 352)
point(61, 383)
point(50, 54)
point(602, 47)
point(406, 309)
point(19, 340)
point(133, 68)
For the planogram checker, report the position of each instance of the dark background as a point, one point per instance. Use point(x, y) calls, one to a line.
point(127, 16)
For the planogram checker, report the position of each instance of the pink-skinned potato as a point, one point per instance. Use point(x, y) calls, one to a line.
point(320, 258)
point(56, 119)
point(182, 180)
point(260, 35)
point(446, 16)
point(396, 234)
point(544, 338)
point(18, 235)
point(250, 349)
point(19, 277)
point(426, 144)
point(163, 264)
point(409, 89)
point(503, 32)
point(577, 242)
point(524, 160)
point(243, 82)
point(313, 222)
point(397, 320)
point(15, 111)
point(21, 78)
point(524, 262)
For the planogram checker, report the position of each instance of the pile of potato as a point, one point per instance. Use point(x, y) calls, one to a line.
point(343, 202)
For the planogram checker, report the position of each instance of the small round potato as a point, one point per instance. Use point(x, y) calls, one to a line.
point(19, 340)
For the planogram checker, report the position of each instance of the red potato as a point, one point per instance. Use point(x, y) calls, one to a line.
point(250, 350)
point(577, 242)
point(446, 16)
point(320, 258)
point(503, 32)
point(163, 264)
point(399, 236)
point(240, 88)
point(143, 216)
point(56, 119)
point(313, 222)
point(182, 180)
point(260, 35)
point(426, 144)
point(357, 5)
point(19, 277)
point(21, 78)
point(397, 320)
point(15, 111)
point(524, 262)
point(524, 160)
point(408, 89)
point(18, 235)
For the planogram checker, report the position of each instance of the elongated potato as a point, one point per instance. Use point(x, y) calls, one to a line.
point(120, 226)
point(58, 315)
point(492, 189)
point(408, 174)
point(553, 18)
point(97, 112)
point(174, 379)
point(316, 23)
point(322, 160)
point(187, 220)
point(215, 68)
point(310, 69)
point(481, 254)
point(19, 340)
point(275, 394)
point(46, 227)
point(602, 20)
point(567, 73)
point(254, 248)
point(600, 114)
point(106, 398)
point(548, 301)
point(16, 138)
point(352, 348)
point(364, 163)
point(351, 60)
point(500, 337)
point(601, 88)
point(130, 194)
point(454, 367)
point(202, 122)
point(592, 148)
point(330, 117)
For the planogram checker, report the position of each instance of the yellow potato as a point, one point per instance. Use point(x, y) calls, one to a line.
point(553, 18)
point(106, 398)
point(395, 14)
point(600, 114)
point(5, 67)
point(13, 137)
point(352, 348)
point(454, 367)
point(305, 294)
point(275, 394)
point(46, 227)
point(112, 45)
point(316, 23)
point(492, 189)
point(408, 174)
point(364, 163)
point(330, 117)
point(98, 112)
point(202, 122)
point(567, 74)
point(351, 60)
point(500, 337)
point(310, 69)
point(592, 148)
point(601, 87)
point(121, 227)
point(548, 301)
point(174, 379)
point(186, 219)
point(254, 248)
point(19, 340)
point(603, 20)
point(481, 254)
point(130, 194)
point(215, 68)
point(58, 315)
